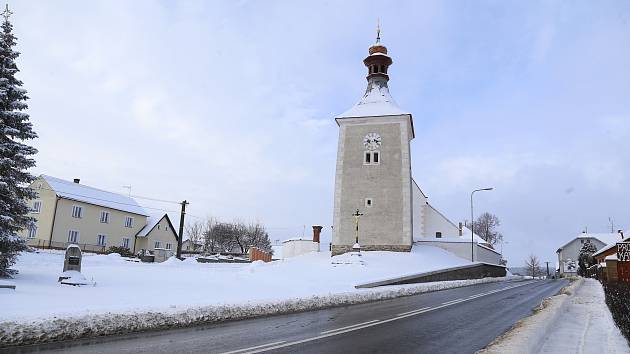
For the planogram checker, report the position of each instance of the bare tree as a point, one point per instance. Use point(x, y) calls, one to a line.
point(195, 232)
point(486, 227)
point(533, 266)
point(257, 236)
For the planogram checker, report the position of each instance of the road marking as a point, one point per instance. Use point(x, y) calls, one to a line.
point(453, 302)
point(416, 310)
point(246, 350)
point(354, 325)
point(283, 344)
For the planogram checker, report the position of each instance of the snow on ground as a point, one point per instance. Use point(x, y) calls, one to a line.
point(576, 321)
point(132, 296)
point(122, 285)
point(586, 325)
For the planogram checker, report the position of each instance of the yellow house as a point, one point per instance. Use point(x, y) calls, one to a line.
point(68, 212)
point(159, 233)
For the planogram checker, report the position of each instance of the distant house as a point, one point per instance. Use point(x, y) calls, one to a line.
point(568, 253)
point(190, 246)
point(68, 212)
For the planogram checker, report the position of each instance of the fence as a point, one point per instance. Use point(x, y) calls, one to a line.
point(256, 254)
point(85, 247)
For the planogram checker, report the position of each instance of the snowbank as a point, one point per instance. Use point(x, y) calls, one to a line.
point(75, 327)
point(130, 296)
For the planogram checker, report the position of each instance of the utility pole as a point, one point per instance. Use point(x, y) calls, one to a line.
point(181, 229)
point(547, 263)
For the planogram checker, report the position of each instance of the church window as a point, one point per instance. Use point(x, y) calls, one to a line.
point(368, 202)
point(438, 234)
point(372, 158)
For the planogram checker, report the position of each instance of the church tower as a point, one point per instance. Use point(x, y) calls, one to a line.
point(374, 167)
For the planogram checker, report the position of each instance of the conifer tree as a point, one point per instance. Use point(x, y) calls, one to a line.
point(15, 155)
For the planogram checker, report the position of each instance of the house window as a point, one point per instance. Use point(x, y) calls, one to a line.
point(368, 202)
point(100, 240)
point(77, 211)
point(166, 227)
point(128, 221)
point(372, 158)
point(438, 234)
point(73, 236)
point(158, 244)
point(125, 242)
point(32, 231)
point(158, 226)
point(37, 206)
point(39, 185)
point(169, 246)
point(104, 217)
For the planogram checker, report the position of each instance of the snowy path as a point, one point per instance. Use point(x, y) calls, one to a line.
point(585, 325)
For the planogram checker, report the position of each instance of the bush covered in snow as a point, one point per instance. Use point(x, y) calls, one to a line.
point(617, 295)
point(123, 251)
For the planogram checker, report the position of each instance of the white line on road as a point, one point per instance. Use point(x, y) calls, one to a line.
point(416, 310)
point(245, 350)
point(354, 325)
point(338, 331)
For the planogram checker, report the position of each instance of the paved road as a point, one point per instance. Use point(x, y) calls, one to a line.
point(461, 320)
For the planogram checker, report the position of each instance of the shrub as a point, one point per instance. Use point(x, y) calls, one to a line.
point(123, 251)
point(617, 295)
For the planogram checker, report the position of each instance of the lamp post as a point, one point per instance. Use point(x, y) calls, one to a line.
point(472, 223)
point(357, 215)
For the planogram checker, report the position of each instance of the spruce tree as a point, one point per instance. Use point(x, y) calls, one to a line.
point(15, 159)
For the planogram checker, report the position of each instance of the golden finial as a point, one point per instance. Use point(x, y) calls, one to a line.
point(378, 30)
point(7, 13)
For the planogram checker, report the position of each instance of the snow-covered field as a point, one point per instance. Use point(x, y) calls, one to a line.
point(128, 286)
point(130, 296)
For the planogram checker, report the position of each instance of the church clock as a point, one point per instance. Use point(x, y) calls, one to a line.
point(372, 141)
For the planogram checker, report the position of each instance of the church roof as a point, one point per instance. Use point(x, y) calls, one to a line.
point(377, 101)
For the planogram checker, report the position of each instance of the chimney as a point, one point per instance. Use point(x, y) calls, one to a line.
point(77, 180)
point(461, 232)
point(316, 231)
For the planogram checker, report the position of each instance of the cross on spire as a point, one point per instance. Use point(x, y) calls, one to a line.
point(378, 30)
point(6, 13)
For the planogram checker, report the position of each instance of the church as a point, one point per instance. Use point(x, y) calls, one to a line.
point(377, 204)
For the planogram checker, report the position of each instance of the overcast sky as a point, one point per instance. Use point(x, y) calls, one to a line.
point(231, 105)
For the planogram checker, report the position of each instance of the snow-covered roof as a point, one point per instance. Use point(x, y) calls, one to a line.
point(82, 193)
point(606, 238)
point(152, 221)
point(377, 101)
point(298, 239)
point(611, 245)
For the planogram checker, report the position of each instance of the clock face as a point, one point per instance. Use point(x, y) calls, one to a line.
point(372, 141)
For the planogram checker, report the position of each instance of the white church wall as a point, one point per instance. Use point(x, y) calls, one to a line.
point(419, 203)
point(486, 255)
point(296, 247)
point(436, 222)
point(462, 249)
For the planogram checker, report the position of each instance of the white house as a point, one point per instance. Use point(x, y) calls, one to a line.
point(569, 252)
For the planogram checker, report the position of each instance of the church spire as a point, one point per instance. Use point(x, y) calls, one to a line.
point(377, 62)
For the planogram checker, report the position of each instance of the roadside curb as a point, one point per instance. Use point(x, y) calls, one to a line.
point(14, 333)
point(528, 334)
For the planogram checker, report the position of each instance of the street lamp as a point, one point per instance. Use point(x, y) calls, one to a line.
point(472, 223)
